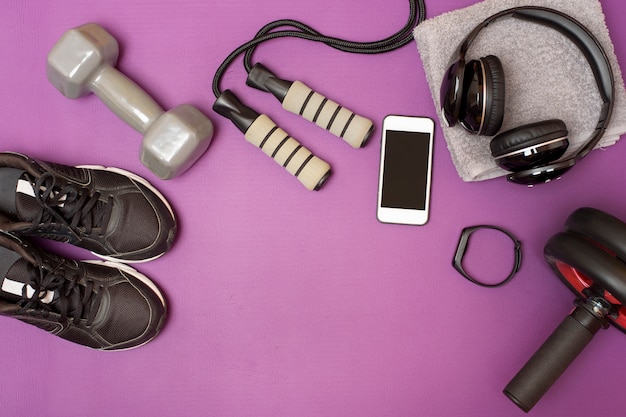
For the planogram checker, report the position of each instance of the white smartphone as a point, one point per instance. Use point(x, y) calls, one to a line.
point(406, 155)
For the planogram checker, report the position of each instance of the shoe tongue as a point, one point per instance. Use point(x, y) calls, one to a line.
point(24, 202)
point(11, 188)
point(14, 274)
point(17, 195)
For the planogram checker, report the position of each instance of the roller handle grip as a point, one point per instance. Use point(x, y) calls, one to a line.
point(552, 358)
point(310, 170)
point(327, 114)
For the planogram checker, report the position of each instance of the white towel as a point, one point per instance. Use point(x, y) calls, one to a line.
point(546, 75)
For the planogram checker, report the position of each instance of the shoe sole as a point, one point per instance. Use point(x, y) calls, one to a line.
point(146, 184)
point(141, 277)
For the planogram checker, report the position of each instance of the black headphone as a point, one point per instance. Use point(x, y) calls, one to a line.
point(472, 94)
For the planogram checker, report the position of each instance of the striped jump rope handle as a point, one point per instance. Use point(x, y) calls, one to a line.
point(327, 114)
point(310, 170)
point(262, 132)
point(297, 98)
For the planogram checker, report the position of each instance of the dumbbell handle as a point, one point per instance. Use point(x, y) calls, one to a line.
point(310, 170)
point(125, 98)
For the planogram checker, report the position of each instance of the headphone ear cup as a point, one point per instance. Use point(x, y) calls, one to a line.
point(530, 145)
point(494, 114)
point(482, 108)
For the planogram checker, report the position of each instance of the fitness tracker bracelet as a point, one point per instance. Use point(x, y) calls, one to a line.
point(457, 262)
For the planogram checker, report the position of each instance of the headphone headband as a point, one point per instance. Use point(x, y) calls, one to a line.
point(568, 26)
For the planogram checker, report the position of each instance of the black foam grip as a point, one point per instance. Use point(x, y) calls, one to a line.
point(552, 358)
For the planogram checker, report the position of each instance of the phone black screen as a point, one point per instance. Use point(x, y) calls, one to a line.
point(405, 170)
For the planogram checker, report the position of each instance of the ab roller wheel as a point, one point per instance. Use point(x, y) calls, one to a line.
point(589, 256)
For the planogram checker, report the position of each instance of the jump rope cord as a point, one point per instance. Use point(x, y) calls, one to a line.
point(303, 31)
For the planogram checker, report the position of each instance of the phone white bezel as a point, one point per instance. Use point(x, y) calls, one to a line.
point(416, 124)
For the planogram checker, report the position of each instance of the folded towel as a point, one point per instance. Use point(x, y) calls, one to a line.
point(546, 75)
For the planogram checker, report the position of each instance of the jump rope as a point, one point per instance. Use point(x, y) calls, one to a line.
point(575, 331)
point(297, 98)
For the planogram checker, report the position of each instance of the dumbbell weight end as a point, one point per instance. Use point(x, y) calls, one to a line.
point(175, 141)
point(83, 60)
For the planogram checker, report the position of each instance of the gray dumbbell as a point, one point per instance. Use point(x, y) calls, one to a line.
point(83, 61)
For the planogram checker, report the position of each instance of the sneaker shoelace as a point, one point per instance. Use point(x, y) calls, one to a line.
point(69, 299)
point(68, 205)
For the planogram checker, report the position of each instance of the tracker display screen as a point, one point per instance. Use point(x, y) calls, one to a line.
point(405, 172)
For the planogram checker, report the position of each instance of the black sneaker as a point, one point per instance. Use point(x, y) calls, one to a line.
point(113, 213)
point(99, 304)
